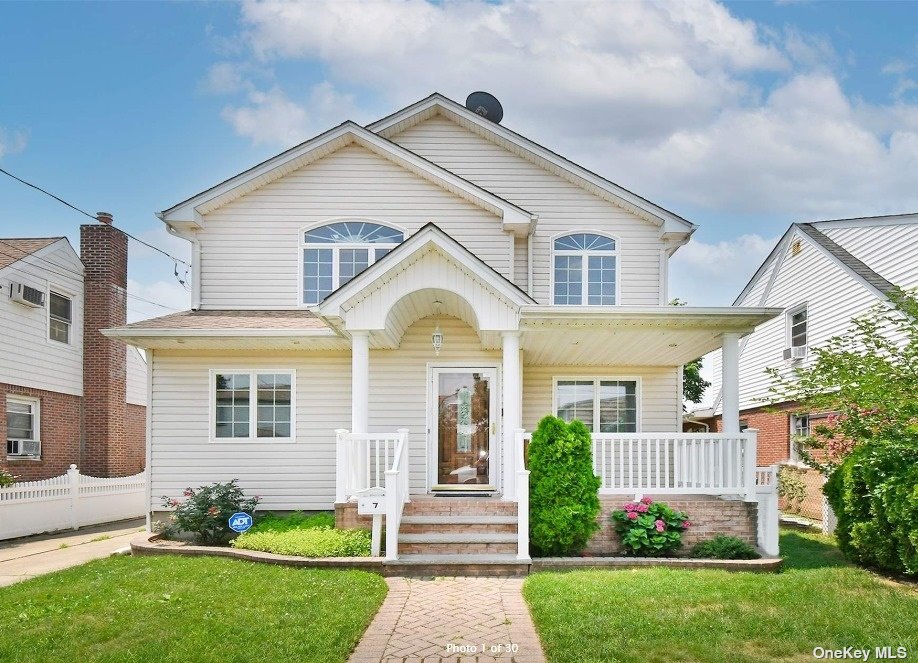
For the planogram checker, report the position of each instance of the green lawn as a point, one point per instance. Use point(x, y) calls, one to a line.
point(668, 615)
point(186, 609)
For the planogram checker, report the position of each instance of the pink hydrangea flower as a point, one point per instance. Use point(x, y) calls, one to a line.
point(630, 506)
point(646, 500)
point(641, 507)
point(632, 515)
point(660, 525)
point(188, 492)
point(173, 502)
point(686, 524)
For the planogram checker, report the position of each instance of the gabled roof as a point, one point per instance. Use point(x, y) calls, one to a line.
point(429, 234)
point(229, 320)
point(14, 249)
point(857, 268)
point(191, 211)
point(542, 156)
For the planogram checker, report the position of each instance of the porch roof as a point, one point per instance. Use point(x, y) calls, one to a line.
point(631, 335)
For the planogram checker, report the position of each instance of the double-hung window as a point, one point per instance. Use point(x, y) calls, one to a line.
point(604, 405)
point(60, 317)
point(333, 254)
point(253, 405)
point(584, 270)
point(796, 327)
point(22, 427)
point(799, 429)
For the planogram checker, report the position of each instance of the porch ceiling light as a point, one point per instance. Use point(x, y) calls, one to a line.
point(437, 337)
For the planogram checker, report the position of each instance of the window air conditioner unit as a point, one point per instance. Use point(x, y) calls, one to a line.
point(25, 448)
point(796, 352)
point(27, 295)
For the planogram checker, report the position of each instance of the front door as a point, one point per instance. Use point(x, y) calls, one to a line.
point(463, 426)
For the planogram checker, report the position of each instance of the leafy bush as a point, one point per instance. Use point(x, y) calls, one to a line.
point(6, 479)
point(724, 547)
point(648, 528)
point(564, 492)
point(308, 542)
point(271, 522)
point(874, 494)
point(791, 487)
point(206, 511)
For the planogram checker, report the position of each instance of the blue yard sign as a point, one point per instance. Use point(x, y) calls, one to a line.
point(240, 522)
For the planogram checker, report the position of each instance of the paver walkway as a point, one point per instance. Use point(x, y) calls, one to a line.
point(451, 619)
point(28, 557)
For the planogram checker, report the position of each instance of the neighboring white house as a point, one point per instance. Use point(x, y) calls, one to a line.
point(439, 274)
point(823, 274)
point(43, 386)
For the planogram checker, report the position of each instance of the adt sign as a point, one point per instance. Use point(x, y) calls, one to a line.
point(240, 522)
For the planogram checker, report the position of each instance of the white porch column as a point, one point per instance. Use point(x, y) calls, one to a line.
point(360, 381)
point(511, 392)
point(730, 382)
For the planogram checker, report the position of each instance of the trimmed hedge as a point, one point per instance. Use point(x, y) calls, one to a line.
point(724, 547)
point(874, 494)
point(564, 492)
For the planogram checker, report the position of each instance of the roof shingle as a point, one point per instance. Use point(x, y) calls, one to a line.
point(295, 320)
point(14, 249)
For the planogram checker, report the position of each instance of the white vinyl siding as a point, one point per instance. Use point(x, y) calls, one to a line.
point(136, 385)
point(29, 357)
point(887, 249)
point(561, 205)
point(251, 248)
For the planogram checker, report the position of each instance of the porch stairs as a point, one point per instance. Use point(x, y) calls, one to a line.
point(454, 536)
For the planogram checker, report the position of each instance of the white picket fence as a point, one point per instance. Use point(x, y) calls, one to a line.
point(69, 501)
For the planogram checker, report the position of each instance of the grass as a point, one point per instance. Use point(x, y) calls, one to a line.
point(663, 615)
point(175, 609)
point(303, 535)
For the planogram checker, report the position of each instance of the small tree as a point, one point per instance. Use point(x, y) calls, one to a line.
point(564, 492)
point(867, 378)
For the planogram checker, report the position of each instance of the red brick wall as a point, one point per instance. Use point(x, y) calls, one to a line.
point(774, 431)
point(135, 430)
point(59, 423)
point(106, 450)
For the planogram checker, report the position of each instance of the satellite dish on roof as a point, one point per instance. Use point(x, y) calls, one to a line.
point(486, 105)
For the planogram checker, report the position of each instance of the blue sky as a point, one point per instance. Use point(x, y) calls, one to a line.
point(741, 117)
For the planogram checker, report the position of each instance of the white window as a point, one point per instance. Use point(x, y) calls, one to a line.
point(584, 270)
point(604, 405)
point(796, 327)
point(23, 428)
point(60, 317)
point(333, 254)
point(799, 429)
point(249, 405)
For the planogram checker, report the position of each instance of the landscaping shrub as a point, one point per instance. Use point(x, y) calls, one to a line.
point(6, 479)
point(724, 547)
point(563, 495)
point(648, 528)
point(874, 493)
point(271, 522)
point(308, 542)
point(206, 511)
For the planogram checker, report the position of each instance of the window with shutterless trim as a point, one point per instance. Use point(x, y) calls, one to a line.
point(23, 426)
point(253, 405)
point(335, 253)
point(60, 317)
point(604, 405)
point(584, 270)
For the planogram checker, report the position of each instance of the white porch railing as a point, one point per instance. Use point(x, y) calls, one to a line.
point(522, 495)
point(374, 460)
point(766, 490)
point(676, 463)
point(69, 501)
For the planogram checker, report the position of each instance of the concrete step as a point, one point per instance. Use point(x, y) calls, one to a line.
point(457, 537)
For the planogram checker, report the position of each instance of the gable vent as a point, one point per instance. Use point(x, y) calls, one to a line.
point(27, 295)
point(796, 247)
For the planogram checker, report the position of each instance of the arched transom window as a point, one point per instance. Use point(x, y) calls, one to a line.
point(585, 269)
point(335, 253)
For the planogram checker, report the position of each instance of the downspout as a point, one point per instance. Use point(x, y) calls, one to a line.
point(195, 264)
point(532, 226)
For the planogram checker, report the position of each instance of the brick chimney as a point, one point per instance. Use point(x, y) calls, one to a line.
point(104, 252)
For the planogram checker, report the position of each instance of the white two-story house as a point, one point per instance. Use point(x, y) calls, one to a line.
point(397, 306)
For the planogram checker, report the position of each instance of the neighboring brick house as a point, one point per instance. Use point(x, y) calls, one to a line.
point(68, 394)
point(823, 274)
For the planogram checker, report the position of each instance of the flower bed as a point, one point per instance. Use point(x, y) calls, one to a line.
point(304, 535)
point(648, 528)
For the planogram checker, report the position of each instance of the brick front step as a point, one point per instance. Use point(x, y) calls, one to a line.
point(458, 524)
point(457, 565)
point(458, 506)
point(441, 549)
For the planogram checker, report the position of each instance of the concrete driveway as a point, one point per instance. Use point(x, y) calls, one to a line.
point(32, 556)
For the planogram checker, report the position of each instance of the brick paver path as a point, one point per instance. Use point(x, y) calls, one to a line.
point(451, 619)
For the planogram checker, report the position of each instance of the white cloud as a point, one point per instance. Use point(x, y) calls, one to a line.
point(170, 296)
point(12, 141)
point(224, 78)
point(703, 274)
point(271, 117)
